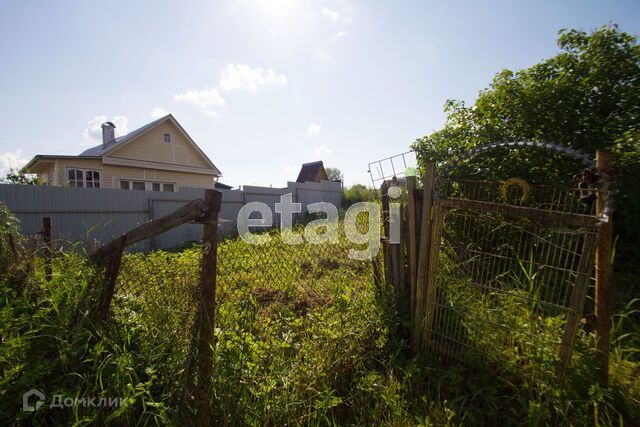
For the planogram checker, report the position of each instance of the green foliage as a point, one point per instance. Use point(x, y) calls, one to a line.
point(19, 177)
point(586, 97)
point(358, 193)
point(288, 352)
point(9, 240)
point(334, 174)
point(16, 261)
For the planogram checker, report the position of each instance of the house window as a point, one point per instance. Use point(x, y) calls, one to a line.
point(88, 178)
point(138, 185)
point(167, 137)
point(128, 184)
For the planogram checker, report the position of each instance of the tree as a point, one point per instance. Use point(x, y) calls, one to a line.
point(587, 97)
point(19, 177)
point(334, 174)
point(358, 193)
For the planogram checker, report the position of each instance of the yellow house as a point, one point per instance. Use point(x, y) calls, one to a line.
point(159, 156)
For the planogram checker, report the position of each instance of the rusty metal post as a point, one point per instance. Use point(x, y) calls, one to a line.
point(48, 247)
point(604, 252)
point(386, 249)
point(206, 337)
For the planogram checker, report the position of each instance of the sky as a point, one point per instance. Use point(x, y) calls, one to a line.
point(263, 86)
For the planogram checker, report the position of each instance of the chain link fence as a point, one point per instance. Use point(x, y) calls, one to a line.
point(288, 312)
point(278, 306)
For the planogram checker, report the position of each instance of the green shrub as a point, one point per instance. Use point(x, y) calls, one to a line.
point(358, 193)
point(586, 97)
point(300, 340)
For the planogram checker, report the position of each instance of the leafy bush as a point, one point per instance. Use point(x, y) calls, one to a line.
point(285, 354)
point(358, 193)
point(586, 97)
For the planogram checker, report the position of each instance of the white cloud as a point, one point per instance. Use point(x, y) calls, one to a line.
point(158, 112)
point(11, 160)
point(336, 16)
point(288, 170)
point(323, 55)
point(241, 76)
point(234, 77)
point(92, 134)
point(314, 129)
point(340, 34)
point(210, 113)
point(322, 151)
point(201, 98)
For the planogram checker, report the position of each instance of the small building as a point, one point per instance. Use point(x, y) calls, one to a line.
point(312, 172)
point(159, 156)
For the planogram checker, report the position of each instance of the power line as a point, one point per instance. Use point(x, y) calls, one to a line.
point(18, 144)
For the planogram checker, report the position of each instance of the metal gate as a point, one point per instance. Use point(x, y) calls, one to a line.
point(505, 266)
point(526, 268)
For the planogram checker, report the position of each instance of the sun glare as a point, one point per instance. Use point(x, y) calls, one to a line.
point(277, 8)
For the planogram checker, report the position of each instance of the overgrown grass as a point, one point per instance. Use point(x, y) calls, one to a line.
point(300, 340)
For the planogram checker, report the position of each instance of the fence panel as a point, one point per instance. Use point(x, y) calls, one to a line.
point(93, 216)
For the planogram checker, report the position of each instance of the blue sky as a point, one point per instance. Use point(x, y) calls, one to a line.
point(265, 85)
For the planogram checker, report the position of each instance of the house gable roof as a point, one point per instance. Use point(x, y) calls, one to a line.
point(101, 150)
point(120, 142)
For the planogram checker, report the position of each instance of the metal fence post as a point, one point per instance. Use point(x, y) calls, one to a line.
point(206, 337)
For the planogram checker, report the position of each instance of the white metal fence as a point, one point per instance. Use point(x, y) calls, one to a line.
point(90, 216)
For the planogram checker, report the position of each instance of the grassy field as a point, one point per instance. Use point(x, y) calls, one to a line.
point(304, 336)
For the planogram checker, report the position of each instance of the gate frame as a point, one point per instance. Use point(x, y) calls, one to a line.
point(427, 248)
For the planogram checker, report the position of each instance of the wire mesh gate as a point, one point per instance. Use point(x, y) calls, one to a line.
point(499, 266)
point(513, 271)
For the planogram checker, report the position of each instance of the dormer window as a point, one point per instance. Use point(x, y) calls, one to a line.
point(167, 137)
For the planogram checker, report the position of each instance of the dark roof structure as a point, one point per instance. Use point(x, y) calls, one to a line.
point(221, 186)
point(312, 172)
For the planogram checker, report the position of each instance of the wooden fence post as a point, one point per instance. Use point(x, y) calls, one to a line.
point(604, 251)
point(432, 272)
point(423, 257)
point(108, 270)
point(206, 337)
point(404, 286)
point(410, 182)
point(48, 248)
